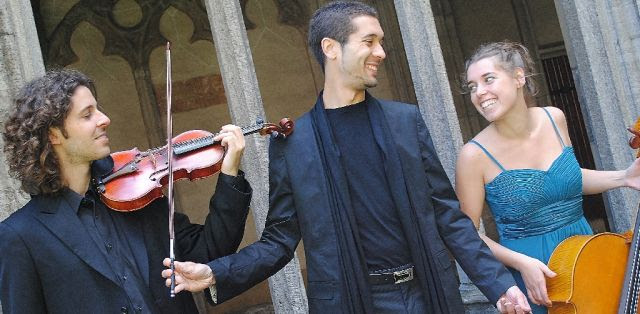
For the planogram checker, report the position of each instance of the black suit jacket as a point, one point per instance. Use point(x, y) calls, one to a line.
point(49, 264)
point(299, 207)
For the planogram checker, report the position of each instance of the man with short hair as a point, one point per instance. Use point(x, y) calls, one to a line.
point(64, 251)
point(360, 182)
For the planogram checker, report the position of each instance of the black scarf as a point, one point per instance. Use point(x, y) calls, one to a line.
point(355, 288)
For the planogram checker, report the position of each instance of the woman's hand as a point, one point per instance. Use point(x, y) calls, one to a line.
point(533, 273)
point(632, 175)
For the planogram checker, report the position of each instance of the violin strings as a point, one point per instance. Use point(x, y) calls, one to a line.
point(635, 285)
point(196, 143)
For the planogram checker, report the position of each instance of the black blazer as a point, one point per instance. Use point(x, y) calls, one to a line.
point(49, 264)
point(299, 207)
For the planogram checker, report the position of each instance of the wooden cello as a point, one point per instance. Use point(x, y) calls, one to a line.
point(631, 284)
point(593, 275)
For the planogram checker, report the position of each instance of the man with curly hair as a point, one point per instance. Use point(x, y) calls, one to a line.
point(65, 251)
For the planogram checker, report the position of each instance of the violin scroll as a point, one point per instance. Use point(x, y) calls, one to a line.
point(634, 141)
point(280, 131)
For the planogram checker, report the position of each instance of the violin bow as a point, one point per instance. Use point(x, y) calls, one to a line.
point(170, 169)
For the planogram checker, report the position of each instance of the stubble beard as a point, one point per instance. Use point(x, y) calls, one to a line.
point(371, 83)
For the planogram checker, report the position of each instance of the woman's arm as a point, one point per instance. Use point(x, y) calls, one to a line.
point(598, 181)
point(595, 181)
point(471, 193)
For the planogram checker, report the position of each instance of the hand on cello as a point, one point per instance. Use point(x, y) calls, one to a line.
point(232, 139)
point(534, 273)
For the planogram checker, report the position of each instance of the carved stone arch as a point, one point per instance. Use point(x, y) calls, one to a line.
point(294, 13)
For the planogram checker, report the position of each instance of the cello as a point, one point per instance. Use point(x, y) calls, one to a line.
point(592, 276)
point(631, 284)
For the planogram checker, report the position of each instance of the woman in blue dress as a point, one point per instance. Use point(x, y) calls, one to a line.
point(523, 165)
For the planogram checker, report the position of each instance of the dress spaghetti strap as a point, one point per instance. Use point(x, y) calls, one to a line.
point(554, 127)
point(488, 155)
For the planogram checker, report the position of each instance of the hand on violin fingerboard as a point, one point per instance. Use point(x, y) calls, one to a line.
point(231, 137)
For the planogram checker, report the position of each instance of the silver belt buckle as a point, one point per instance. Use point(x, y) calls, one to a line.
point(403, 275)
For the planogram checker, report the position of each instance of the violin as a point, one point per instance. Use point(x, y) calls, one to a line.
point(138, 177)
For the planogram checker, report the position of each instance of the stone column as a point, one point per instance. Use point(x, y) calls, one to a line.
point(433, 92)
point(528, 35)
point(20, 61)
point(430, 80)
point(245, 104)
point(471, 122)
point(602, 39)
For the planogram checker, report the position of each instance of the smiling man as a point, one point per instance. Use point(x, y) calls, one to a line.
point(360, 182)
point(64, 251)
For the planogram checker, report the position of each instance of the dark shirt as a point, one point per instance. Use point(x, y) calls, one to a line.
point(117, 241)
point(381, 235)
point(121, 241)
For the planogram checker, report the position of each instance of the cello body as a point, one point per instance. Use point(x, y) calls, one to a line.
point(598, 273)
point(590, 274)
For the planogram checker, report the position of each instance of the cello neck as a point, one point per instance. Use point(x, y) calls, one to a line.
point(631, 288)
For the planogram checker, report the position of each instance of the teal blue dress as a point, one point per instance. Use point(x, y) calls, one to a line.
point(535, 209)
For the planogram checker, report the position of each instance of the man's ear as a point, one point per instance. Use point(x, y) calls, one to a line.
point(330, 48)
point(55, 136)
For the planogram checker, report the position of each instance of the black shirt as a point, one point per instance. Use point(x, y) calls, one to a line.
point(381, 235)
point(121, 240)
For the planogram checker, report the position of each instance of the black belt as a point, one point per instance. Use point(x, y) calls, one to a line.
point(395, 277)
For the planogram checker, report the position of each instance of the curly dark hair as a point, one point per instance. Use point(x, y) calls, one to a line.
point(334, 21)
point(40, 105)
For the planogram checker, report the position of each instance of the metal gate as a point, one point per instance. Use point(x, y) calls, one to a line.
point(562, 91)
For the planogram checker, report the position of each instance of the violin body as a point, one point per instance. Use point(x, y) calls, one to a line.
point(590, 273)
point(137, 189)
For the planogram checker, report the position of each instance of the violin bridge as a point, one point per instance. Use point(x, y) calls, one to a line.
point(154, 162)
